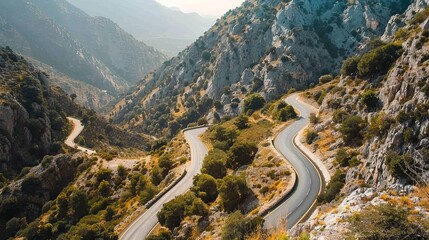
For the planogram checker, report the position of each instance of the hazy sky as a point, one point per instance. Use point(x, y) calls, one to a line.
point(203, 7)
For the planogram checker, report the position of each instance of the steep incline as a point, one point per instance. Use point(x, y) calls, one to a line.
point(265, 46)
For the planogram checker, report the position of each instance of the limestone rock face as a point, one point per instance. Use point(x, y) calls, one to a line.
point(263, 46)
point(52, 176)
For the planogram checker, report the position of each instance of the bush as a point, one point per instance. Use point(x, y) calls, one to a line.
point(380, 125)
point(313, 118)
point(325, 79)
point(241, 154)
point(165, 163)
point(397, 164)
point(350, 66)
point(223, 138)
point(351, 129)
point(78, 204)
point(339, 116)
point(253, 102)
point(286, 113)
point(333, 188)
point(345, 158)
point(370, 99)
point(379, 60)
point(173, 212)
point(242, 122)
point(205, 187)
point(387, 221)
point(237, 226)
point(310, 136)
point(103, 174)
point(214, 164)
point(233, 191)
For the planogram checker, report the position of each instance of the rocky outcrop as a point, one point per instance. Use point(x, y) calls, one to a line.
point(41, 184)
point(30, 123)
point(262, 46)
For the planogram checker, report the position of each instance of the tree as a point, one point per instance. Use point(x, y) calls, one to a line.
point(214, 164)
point(253, 102)
point(104, 188)
point(173, 212)
point(62, 205)
point(241, 154)
point(287, 113)
point(165, 163)
point(233, 191)
point(78, 204)
point(223, 138)
point(205, 187)
point(242, 122)
point(351, 129)
point(73, 96)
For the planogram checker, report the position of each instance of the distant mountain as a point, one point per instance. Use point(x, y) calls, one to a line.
point(164, 28)
point(95, 51)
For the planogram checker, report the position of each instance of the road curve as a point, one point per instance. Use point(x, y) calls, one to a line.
point(77, 129)
point(141, 227)
point(309, 182)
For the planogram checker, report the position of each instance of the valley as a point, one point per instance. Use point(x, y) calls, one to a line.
point(285, 119)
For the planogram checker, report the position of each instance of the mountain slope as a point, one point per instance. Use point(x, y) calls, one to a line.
point(92, 50)
point(162, 27)
point(262, 46)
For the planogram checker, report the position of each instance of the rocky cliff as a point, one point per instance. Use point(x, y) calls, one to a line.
point(262, 46)
point(31, 125)
point(390, 112)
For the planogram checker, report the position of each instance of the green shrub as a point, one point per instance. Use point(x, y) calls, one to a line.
point(205, 187)
point(333, 188)
point(223, 138)
point(313, 118)
point(233, 191)
point(370, 99)
point(310, 136)
point(345, 158)
point(325, 79)
point(238, 226)
point(350, 66)
point(380, 125)
point(173, 212)
point(352, 130)
point(287, 113)
point(241, 154)
point(397, 164)
point(387, 221)
point(242, 122)
point(379, 60)
point(214, 164)
point(339, 116)
point(253, 102)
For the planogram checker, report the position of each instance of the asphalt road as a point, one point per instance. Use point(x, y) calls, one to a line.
point(148, 220)
point(300, 204)
point(77, 129)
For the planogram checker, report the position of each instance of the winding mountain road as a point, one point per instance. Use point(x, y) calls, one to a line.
point(293, 209)
point(148, 220)
point(77, 129)
point(309, 181)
